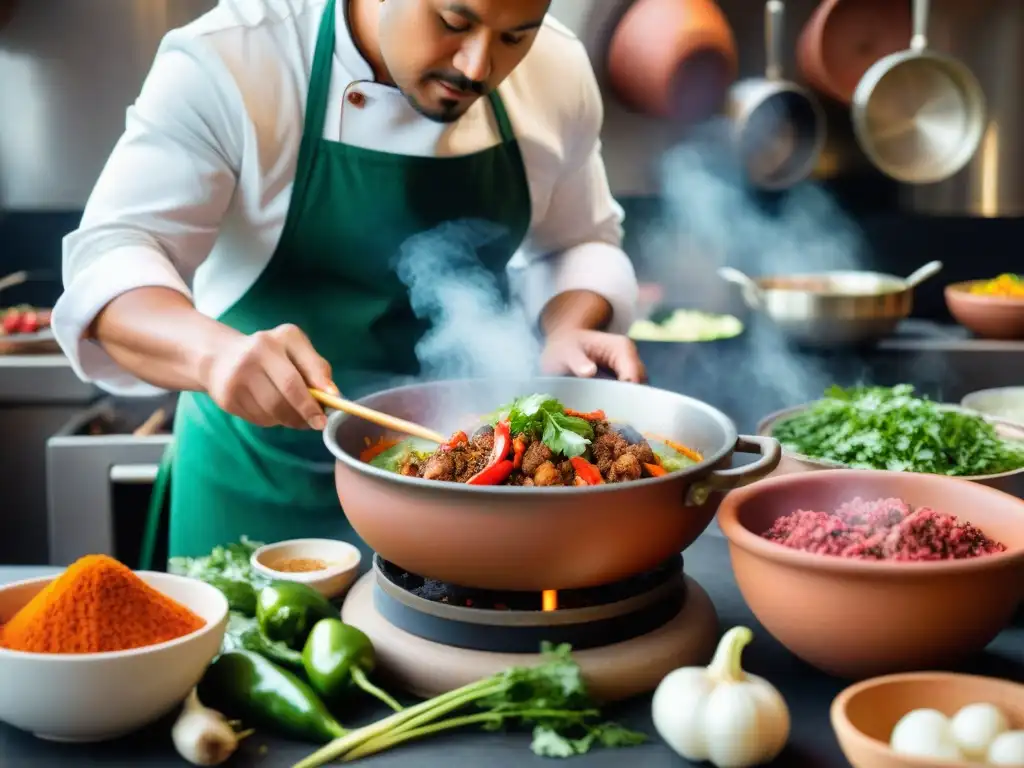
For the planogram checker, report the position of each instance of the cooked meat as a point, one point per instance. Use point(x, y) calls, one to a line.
point(567, 472)
point(547, 474)
point(606, 449)
point(626, 467)
point(440, 466)
point(643, 452)
point(536, 454)
point(410, 469)
point(483, 440)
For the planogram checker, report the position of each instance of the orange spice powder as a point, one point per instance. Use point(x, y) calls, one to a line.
point(97, 605)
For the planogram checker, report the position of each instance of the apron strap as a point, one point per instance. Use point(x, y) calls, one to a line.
point(316, 106)
point(501, 116)
point(159, 504)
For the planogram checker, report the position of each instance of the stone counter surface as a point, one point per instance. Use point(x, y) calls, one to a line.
point(807, 691)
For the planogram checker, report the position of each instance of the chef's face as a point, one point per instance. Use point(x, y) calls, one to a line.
point(445, 54)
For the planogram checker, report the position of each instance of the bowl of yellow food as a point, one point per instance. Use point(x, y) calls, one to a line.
point(327, 565)
point(991, 309)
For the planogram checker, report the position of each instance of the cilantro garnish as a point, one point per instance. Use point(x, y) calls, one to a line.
point(550, 698)
point(542, 416)
point(890, 428)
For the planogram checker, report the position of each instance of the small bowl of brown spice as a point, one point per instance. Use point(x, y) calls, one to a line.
point(327, 565)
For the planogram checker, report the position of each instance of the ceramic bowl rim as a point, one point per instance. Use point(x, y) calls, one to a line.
point(213, 625)
point(740, 536)
point(838, 709)
point(961, 292)
point(766, 428)
point(307, 577)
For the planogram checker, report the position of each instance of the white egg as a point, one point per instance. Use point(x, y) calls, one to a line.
point(975, 726)
point(924, 733)
point(1007, 749)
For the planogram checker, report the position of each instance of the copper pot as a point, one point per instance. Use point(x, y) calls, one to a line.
point(843, 38)
point(673, 59)
point(515, 538)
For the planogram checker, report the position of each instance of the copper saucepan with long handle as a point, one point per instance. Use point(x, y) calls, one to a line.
point(516, 538)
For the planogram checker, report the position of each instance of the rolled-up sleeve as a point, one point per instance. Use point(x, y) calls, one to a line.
point(154, 214)
point(580, 236)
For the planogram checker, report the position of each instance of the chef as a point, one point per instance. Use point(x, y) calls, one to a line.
point(239, 244)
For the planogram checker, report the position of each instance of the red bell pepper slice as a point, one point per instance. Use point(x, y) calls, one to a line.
point(518, 449)
point(495, 474)
point(591, 416)
point(586, 471)
point(458, 437)
point(495, 471)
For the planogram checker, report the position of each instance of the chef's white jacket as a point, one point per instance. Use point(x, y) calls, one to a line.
point(195, 193)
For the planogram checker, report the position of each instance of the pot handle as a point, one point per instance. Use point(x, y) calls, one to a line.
point(768, 448)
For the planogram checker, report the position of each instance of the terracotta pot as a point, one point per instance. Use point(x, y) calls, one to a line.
point(864, 715)
point(990, 317)
point(843, 38)
point(673, 59)
point(536, 538)
point(853, 618)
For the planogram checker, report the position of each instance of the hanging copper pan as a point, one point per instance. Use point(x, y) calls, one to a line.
point(843, 38)
point(673, 59)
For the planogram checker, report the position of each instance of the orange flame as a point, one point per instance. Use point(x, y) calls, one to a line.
point(549, 600)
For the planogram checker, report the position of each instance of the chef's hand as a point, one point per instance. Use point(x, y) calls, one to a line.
point(581, 352)
point(264, 379)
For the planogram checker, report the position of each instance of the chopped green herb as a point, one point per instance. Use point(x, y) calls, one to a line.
point(229, 563)
point(544, 417)
point(890, 428)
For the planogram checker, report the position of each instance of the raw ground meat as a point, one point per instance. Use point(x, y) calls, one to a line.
point(885, 529)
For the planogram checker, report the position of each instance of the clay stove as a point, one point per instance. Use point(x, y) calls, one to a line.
point(432, 637)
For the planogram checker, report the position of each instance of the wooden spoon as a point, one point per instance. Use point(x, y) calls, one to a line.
point(376, 417)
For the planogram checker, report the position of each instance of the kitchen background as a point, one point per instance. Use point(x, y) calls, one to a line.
point(69, 68)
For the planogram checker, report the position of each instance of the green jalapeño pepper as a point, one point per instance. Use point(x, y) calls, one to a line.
point(244, 685)
point(338, 656)
point(288, 610)
point(244, 633)
point(240, 594)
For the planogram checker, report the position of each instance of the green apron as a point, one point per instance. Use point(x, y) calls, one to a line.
point(333, 275)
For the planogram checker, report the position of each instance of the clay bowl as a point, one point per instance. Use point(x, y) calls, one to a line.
point(855, 619)
point(1010, 482)
point(864, 715)
point(990, 317)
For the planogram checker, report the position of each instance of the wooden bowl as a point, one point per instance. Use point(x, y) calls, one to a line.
point(990, 317)
point(854, 618)
point(864, 714)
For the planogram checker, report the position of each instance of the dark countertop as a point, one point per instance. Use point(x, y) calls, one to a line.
point(807, 692)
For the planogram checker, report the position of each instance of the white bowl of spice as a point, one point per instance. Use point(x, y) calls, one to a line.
point(327, 565)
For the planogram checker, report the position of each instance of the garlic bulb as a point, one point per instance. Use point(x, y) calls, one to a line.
point(925, 733)
point(720, 713)
point(976, 726)
point(203, 736)
point(1007, 749)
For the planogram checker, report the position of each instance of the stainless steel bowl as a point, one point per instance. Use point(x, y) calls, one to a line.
point(837, 308)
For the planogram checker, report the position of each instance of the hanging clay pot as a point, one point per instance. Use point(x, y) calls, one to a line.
point(673, 59)
point(843, 38)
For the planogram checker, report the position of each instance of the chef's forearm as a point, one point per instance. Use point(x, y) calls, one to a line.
point(574, 310)
point(157, 335)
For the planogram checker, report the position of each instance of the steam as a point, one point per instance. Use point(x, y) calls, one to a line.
point(711, 219)
point(475, 332)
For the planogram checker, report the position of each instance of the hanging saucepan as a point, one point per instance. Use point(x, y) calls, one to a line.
point(537, 538)
point(919, 115)
point(779, 126)
point(843, 38)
